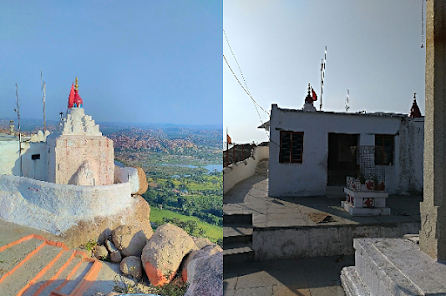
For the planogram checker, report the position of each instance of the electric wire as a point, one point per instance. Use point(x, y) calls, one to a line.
point(245, 88)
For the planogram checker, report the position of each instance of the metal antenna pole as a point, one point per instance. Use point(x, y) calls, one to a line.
point(43, 100)
point(323, 76)
point(18, 122)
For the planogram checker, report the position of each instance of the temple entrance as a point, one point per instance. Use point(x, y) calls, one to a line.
point(341, 161)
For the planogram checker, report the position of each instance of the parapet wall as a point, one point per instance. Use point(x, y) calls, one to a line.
point(57, 207)
point(242, 170)
point(302, 241)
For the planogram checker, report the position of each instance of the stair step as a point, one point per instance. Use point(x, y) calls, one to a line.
point(237, 254)
point(237, 234)
point(33, 265)
point(237, 219)
point(47, 277)
point(236, 231)
point(30, 269)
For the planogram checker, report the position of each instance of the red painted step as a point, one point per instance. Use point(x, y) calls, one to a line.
point(20, 267)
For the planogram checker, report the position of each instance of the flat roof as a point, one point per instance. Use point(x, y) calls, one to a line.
point(8, 137)
point(361, 113)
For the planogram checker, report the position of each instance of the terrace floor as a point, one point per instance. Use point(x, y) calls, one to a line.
point(301, 276)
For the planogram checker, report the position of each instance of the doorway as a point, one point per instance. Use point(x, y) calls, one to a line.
point(341, 159)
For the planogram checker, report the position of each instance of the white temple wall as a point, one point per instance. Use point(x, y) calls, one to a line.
point(57, 207)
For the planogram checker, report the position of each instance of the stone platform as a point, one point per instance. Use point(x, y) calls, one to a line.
point(284, 227)
point(392, 267)
point(365, 203)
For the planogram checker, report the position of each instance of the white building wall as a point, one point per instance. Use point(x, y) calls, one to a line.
point(10, 160)
point(57, 207)
point(35, 168)
point(309, 178)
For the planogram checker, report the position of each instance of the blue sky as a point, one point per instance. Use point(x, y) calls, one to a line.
point(137, 61)
point(374, 50)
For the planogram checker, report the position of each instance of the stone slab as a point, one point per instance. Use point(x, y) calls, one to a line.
point(394, 267)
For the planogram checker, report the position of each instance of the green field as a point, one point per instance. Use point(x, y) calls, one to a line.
point(213, 232)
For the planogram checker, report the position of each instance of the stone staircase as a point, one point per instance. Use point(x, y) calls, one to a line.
point(262, 168)
point(33, 265)
point(237, 239)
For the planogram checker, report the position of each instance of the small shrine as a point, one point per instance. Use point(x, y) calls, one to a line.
point(365, 195)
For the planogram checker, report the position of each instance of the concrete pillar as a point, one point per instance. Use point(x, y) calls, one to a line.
point(433, 207)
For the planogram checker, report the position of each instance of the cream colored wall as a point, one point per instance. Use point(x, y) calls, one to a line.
point(72, 151)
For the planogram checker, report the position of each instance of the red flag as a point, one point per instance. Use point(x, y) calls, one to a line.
point(229, 139)
point(313, 94)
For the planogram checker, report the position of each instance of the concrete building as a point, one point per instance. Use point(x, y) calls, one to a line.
point(310, 150)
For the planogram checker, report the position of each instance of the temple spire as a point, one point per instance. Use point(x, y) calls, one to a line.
point(76, 85)
point(77, 103)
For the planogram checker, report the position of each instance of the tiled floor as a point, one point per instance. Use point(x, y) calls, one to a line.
point(318, 276)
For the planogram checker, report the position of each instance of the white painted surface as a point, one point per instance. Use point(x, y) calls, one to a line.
point(127, 174)
point(309, 178)
point(9, 153)
point(55, 207)
point(235, 173)
point(79, 124)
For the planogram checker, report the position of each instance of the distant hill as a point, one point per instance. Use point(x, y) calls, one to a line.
point(140, 134)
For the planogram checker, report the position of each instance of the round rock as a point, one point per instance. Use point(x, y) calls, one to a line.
point(129, 240)
point(100, 252)
point(131, 266)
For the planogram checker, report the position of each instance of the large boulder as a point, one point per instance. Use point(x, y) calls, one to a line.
point(208, 250)
point(163, 253)
point(205, 276)
point(130, 240)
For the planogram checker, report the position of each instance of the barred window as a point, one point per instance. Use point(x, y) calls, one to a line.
point(291, 147)
point(384, 146)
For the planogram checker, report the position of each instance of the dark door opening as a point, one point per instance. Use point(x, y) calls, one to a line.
point(341, 160)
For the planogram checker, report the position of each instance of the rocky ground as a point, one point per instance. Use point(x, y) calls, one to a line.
point(169, 256)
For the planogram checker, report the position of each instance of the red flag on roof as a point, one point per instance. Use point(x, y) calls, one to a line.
point(313, 94)
point(229, 139)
